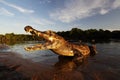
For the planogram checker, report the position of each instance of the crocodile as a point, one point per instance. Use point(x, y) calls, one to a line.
point(58, 44)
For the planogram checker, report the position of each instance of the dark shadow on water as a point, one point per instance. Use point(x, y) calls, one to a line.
point(68, 64)
point(87, 69)
point(7, 73)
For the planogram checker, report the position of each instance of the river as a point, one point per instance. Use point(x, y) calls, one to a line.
point(105, 65)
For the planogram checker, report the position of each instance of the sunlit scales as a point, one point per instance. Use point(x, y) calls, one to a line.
point(51, 38)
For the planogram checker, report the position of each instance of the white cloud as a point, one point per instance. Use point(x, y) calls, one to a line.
point(5, 12)
point(79, 9)
point(44, 1)
point(116, 4)
point(20, 9)
point(103, 11)
point(42, 22)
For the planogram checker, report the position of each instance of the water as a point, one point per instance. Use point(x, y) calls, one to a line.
point(108, 53)
point(105, 65)
point(36, 56)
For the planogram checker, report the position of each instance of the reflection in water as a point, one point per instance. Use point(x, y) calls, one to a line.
point(66, 69)
point(67, 64)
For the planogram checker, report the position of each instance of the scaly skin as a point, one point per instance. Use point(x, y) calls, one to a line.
point(58, 44)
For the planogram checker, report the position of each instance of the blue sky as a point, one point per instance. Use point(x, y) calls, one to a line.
point(59, 15)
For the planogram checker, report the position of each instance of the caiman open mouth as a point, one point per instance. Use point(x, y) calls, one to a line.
point(40, 34)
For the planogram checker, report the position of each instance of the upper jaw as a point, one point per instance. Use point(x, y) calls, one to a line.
point(29, 29)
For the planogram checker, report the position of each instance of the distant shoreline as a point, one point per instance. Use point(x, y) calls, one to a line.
point(73, 34)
